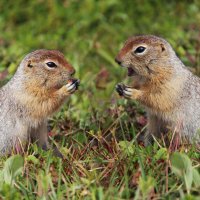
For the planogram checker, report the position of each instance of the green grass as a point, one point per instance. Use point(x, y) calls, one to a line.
point(96, 130)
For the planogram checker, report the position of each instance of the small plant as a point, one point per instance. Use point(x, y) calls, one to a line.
point(12, 169)
point(182, 167)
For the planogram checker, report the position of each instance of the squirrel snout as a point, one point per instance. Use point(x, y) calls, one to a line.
point(117, 60)
point(72, 72)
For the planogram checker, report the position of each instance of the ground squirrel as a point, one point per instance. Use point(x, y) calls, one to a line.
point(40, 85)
point(161, 82)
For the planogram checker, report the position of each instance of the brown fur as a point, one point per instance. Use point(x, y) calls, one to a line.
point(157, 83)
point(34, 93)
point(43, 93)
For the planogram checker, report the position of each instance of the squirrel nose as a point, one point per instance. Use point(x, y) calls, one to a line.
point(73, 72)
point(117, 60)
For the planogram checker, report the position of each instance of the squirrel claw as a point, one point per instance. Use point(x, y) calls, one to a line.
point(127, 93)
point(73, 86)
point(119, 89)
point(77, 83)
point(124, 90)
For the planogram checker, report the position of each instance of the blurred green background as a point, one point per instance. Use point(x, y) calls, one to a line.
point(90, 33)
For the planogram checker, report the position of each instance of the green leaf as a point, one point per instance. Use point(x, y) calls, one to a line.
point(12, 168)
point(182, 167)
point(146, 185)
point(80, 137)
point(127, 147)
point(12, 68)
point(196, 177)
point(161, 154)
point(33, 159)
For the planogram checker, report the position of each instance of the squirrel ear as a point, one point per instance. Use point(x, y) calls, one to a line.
point(29, 64)
point(162, 47)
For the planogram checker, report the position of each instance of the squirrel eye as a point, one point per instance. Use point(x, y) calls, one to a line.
point(140, 49)
point(51, 64)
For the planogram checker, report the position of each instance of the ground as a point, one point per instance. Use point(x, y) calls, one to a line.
point(96, 130)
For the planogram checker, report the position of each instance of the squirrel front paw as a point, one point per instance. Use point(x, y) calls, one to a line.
point(127, 92)
point(123, 90)
point(72, 86)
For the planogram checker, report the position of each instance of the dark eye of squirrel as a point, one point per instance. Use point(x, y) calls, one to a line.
point(51, 64)
point(140, 49)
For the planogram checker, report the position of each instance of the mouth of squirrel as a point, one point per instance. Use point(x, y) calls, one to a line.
point(131, 71)
point(70, 80)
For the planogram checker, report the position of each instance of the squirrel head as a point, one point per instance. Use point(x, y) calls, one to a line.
point(47, 69)
point(145, 55)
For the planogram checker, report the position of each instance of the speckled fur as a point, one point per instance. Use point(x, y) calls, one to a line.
point(34, 93)
point(167, 89)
